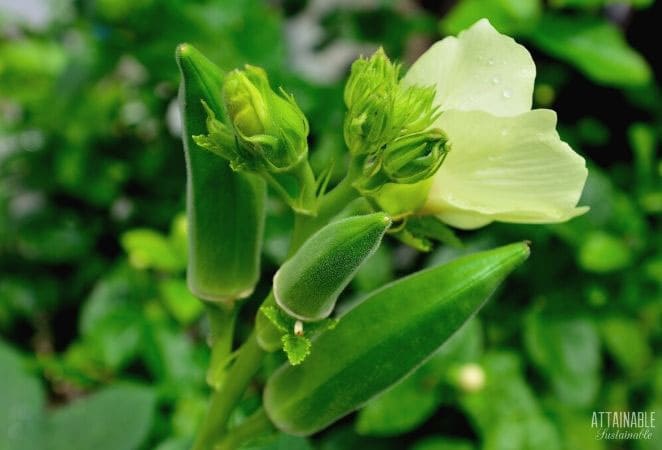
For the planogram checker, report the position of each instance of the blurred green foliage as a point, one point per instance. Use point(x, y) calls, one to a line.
point(104, 347)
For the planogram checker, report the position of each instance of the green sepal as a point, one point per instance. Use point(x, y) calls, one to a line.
point(307, 286)
point(419, 232)
point(415, 241)
point(225, 210)
point(296, 347)
point(383, 338)
point(276, 329)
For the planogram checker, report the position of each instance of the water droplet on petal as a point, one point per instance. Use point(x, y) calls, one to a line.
point(507, 93)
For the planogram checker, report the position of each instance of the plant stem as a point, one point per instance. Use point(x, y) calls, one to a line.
point(256, 425)
point(221, 321)
point(330, 205)
point(224, 400)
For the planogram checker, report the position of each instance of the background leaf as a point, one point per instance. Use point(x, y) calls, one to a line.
point(116, 418)
point(595, 47)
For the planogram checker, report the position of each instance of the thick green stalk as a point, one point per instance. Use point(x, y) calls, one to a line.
point(225, 399)
point(330, 205)
point(255, 426)
point(221, 321)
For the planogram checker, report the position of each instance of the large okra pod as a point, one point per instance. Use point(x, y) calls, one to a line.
point(308, 284)
point(225, 209)
point(382, 339)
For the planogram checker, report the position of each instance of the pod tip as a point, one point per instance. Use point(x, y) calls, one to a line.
point(527, 248)
point(183, 49)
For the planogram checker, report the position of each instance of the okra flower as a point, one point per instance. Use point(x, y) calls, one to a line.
point(506, 162)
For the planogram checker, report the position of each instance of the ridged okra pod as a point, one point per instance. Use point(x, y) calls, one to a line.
point(225, 209)
point(308, 284)
point(383, 338)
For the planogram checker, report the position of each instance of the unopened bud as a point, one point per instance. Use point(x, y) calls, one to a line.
point(407, 160)
point(415, 157)
point(369, 76)
point(269, 125)
point(266, 134)
point(370, 96)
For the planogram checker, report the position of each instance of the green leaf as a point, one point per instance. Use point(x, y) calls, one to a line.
point(507, 16)
point(432, 228)
point(376, 272)
point(398, 410)
point(505, 411)
point(174, 444)
point(111, 321)
point(279, 441)
point(643, 140)
point(115, 418)
point(627, 342)
point(575, 430)
point(148, 249)
point(567, 351)
point(179, 300)
point(442, 443)
point(22, 418)
point(595, 47)
point(602, 253)
point(189, 412)
point(172, 359)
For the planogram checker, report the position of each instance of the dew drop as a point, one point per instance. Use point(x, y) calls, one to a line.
point(495, 80)
point(507, 93)
point(490, 61)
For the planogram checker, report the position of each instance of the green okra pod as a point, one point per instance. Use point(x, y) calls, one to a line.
point(309, 283)
point(225, 209)
point(383, 338)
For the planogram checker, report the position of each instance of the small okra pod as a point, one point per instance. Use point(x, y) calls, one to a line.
point(309, 283)
point(225, 209)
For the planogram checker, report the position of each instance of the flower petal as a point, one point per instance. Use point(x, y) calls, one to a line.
point(481, 70)
point(510, 169)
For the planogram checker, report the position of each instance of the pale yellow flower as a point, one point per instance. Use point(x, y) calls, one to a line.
point(506, 162)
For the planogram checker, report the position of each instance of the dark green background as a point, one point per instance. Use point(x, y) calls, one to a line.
point(103, 348)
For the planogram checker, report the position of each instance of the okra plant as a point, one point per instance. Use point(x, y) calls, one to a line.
point(452, 143)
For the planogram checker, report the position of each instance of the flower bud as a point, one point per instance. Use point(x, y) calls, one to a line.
point(380, 109)
point(267, 134)
point(269, 126)
point(368, 76)
point(370, 98)
point(407, 160)
point(414, 109)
